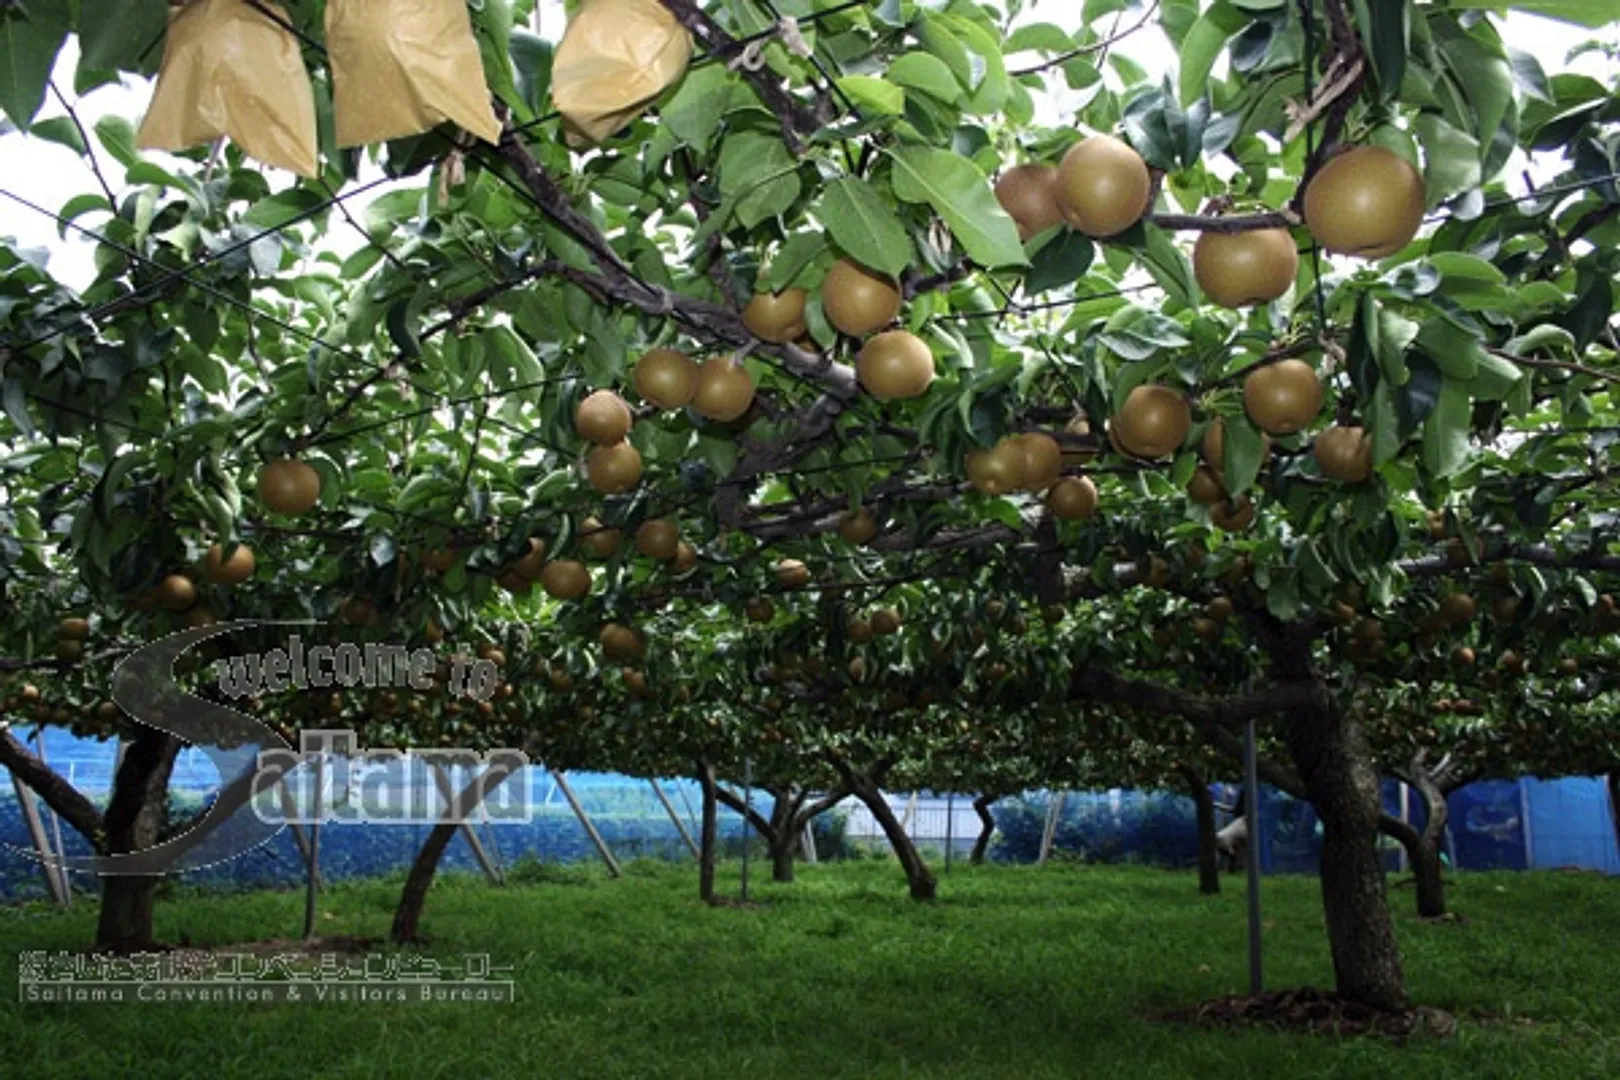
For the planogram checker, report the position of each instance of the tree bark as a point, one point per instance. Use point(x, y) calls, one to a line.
point(1423, 852)
point(413, 898)
point(987, 829)
point(707, 833)
point(918, 877)
point(408, 915)
point(1209, 867)
point(1331, 753)
point(134, 820)
point(1614, 803)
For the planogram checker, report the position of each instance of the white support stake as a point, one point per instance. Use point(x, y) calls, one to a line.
point(584, 819)
point(442, 778)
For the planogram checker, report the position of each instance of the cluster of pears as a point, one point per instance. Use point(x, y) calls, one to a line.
point(1032, 461)
point(893, 364)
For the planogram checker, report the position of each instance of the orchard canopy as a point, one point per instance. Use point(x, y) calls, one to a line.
point(850, 407)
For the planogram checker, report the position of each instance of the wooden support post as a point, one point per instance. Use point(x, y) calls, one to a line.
point(442, 777)
point(669, 808)
point(584, 819)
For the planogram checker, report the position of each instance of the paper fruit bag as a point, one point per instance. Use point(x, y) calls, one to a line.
point(615, 58)
point(229, 70)
point(402, 67)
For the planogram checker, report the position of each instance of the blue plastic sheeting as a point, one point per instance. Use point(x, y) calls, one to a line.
point(1562, 815)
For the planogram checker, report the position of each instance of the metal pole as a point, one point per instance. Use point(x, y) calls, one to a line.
point(748, 804)
point(36, 832)
point(442, 777)
point(584, 819)
point(669, 808)
point(950, 820)
point(1251, 778)
point(1406, 815)
point(311, 884)
point(56, 825)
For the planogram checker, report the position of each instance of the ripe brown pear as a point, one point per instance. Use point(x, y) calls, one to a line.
point(1043, 460)
point(1073, 454)
point(1073, 498)
point(289, 486)
point(1283, 397)
point(1205, 488)
point(218, 570)
point(1366, 202)
point(176, 593)
point(1243, 268)
point(685, 559)
point(886, 621)
point(658, 539)
point(792, 574)
point(999, 470)
point(858, 301)
point(622, 644)
point(666, 378)
point(857, 526)
point(565, 579)
point(776, 317)
point(895, 365)
point(1153, 422)
point(73, 628)
point(599, 541)
point(1344, 454)
point(532, 561)
point(725, 390)
point(1233, 517)
point(602, 418)
point(1029, 194)
point(613, 469)
point(1103, 186)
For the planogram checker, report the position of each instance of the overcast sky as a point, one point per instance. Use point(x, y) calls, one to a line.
point(50, 175)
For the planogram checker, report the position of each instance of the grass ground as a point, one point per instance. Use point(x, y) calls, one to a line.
point(1015, 972)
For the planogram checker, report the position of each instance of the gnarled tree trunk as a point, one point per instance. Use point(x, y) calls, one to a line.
point(134, 820)
point(1331, 754)
point(987, 829)
point(413, 898)
point(1209, 869)
point(918, 877)
point(707, 832)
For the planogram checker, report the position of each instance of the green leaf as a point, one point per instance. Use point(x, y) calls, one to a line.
point(922, 71)
point(121, 35)
point(281, 208)
point(1450, 159)
point(1385, 27)
point(531, 66)
point(758, 175)
point(1382, 421)
point(796, 253)
point(939, 41)
point(1242, 449)
point(961, 195)
point(1591, 14)
point(1495, 379)
point(1060, 261)
point(864, 225)
point(30, 37)
point(1486, 78)
point(1454, 351)
point(1170, 267)
point(1204, 42)
point(60, 130)
point(117, 137)
point(1445, 432)
point(874, 95)
point(705, 96)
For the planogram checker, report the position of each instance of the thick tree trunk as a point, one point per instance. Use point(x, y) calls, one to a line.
point(134, 820)
point(918, 876)
point(408, 915)
point(1209, 868)
point(782, 860)
point(707, 833)
point(1423, 853)
point(987, 829)
point(412, 899)
point(1331, 754)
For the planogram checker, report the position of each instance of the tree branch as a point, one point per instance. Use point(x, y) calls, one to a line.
point(51, 786)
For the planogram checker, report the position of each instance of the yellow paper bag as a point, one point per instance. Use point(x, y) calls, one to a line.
point(229, 70)
point(402, 67)
point(615, 58)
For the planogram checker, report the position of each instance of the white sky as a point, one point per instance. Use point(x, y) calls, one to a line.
point(49, 175)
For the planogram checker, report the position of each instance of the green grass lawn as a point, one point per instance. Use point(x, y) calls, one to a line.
point(1016, 971)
